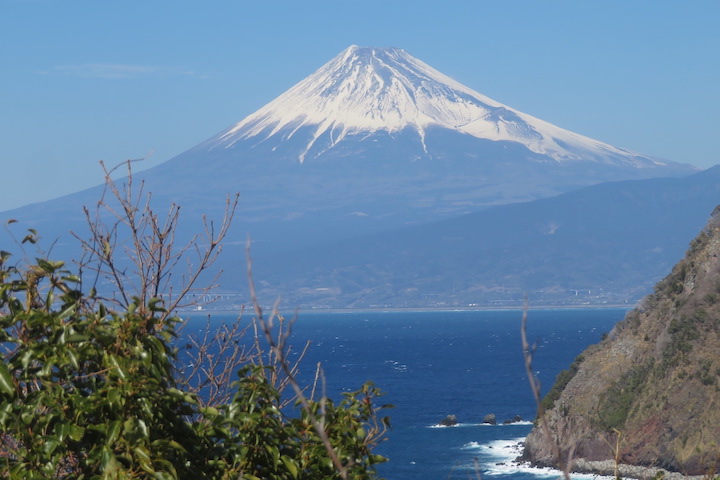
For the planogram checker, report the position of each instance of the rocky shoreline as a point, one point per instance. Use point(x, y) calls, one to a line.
point(607, 467)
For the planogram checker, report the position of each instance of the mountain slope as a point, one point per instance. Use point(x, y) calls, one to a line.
point(602, 244)
point(652, 387)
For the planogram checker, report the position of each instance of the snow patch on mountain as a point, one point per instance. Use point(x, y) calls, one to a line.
point(365, 90)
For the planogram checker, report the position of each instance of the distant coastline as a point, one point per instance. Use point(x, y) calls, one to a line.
point(336, 311)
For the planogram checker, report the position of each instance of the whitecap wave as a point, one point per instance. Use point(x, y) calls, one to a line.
point(504, 450)
point(523, 422)
point(437, 425)
point(457, 425)
point(400, 367)
point(515, 468)
point(471, 446)
point(499, 457)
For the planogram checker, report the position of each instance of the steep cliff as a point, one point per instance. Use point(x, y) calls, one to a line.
point(649, 393)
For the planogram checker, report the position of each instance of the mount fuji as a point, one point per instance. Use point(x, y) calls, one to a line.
point(374, 140)
point(364, 91)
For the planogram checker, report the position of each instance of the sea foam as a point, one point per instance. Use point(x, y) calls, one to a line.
point(499, 457)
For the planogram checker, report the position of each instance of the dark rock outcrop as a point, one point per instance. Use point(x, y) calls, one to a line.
point(449, 421)
point(490, 419)
point(515, 419)
point(649, 393)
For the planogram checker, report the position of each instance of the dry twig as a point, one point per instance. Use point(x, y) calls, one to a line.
point(528, 352)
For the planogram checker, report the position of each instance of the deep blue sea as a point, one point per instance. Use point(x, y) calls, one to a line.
point(432, 364)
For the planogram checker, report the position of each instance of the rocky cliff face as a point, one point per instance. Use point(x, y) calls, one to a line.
point(649, 393)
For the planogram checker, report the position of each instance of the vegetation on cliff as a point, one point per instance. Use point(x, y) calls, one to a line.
point(649, 393)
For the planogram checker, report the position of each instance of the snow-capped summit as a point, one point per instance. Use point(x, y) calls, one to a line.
point(366, 90)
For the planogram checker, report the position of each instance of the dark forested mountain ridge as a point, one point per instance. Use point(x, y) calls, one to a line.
point(604, 244)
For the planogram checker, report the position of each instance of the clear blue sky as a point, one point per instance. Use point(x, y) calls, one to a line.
point(86, 80)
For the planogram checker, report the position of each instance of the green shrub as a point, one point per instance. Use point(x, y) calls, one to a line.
point(617, 402)
point(561, 382)
point(683, 332)
point(86, 392)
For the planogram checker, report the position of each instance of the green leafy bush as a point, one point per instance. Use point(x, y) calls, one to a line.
point(86, 392)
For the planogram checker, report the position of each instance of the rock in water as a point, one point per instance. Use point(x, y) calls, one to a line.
point(449, 421)
point(649, 393)
point(490, 418)
point(515, 419)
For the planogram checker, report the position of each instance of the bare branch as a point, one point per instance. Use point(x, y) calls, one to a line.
point(528, 352)
point(211, 360)
point(124, 218)
point(277, 347)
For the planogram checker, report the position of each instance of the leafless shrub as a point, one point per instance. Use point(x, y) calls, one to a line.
point(125, 228)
